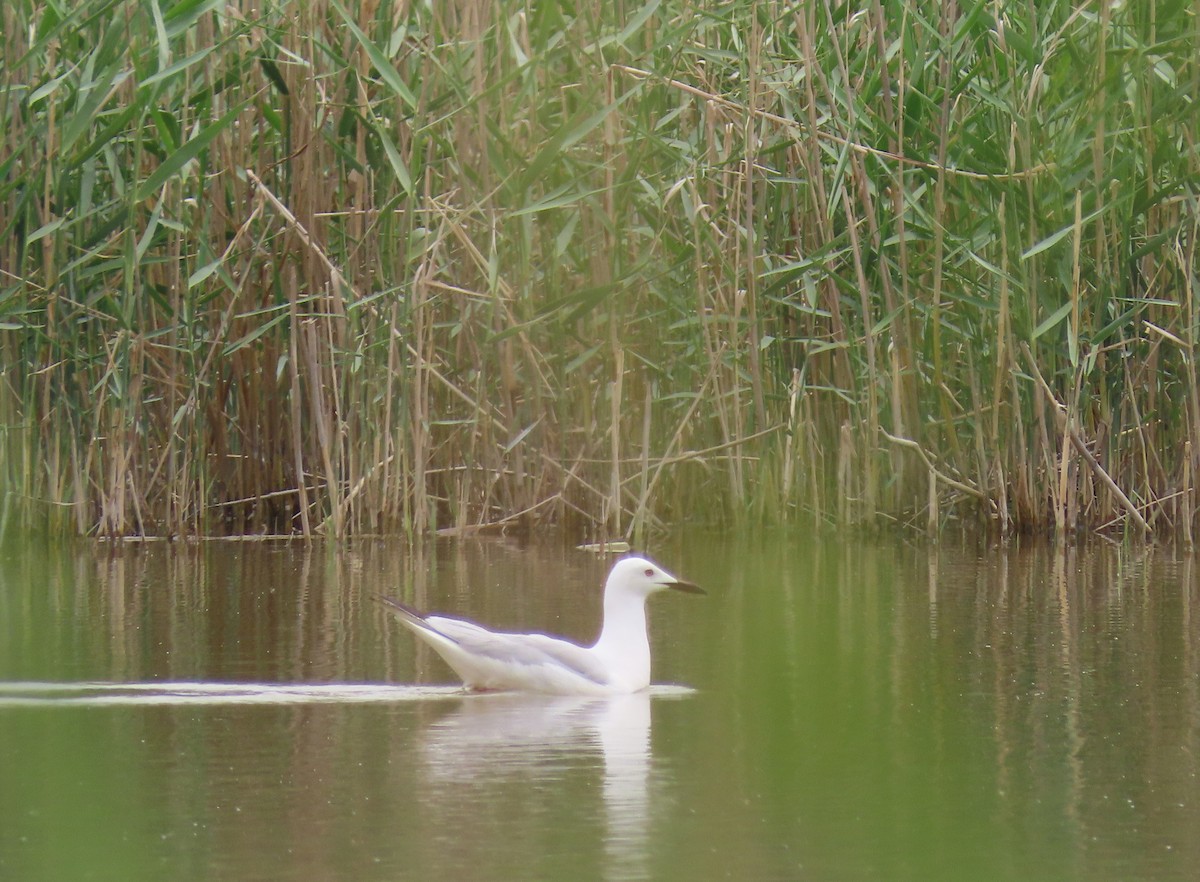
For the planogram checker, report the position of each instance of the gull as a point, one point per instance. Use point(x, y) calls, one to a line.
point(617, 663)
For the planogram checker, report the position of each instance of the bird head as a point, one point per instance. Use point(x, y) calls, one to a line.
point(643, 578)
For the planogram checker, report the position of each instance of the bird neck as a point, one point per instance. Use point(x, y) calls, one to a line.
point(623, 641)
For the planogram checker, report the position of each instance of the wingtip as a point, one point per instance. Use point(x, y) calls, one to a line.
point(399, 606)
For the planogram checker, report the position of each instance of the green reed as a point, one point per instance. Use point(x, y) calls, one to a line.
point(355, 267)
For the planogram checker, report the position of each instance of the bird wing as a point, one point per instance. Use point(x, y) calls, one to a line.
point(521, 649)
point(463, 643)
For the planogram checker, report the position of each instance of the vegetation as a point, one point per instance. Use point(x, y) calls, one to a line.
point(358, 266)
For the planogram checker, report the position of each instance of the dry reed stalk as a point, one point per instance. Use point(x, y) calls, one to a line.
point(1187, 520)
point(1003, 365)
point(533, 185)
point(638, 525)
point(870, 478)
point(933, 517)
point(940, 221)
point(295, 398)
point(750, 273)
point(789, 444)
point(817, 471)
point(612, 516)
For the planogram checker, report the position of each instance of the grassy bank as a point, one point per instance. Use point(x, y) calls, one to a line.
point(352, 267)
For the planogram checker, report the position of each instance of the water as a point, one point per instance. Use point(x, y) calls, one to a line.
point(861, 711)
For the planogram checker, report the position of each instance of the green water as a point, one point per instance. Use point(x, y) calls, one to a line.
point(863, 711)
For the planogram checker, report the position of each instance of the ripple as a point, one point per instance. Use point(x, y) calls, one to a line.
point(95, 694)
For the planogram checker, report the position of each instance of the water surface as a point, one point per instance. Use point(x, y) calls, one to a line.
point(862, 710)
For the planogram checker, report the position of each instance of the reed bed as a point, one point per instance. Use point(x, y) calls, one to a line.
point(345, 267)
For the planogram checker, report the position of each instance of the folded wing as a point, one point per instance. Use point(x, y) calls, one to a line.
point(498, 660)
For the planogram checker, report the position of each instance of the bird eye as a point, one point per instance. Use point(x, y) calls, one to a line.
point(649, 572)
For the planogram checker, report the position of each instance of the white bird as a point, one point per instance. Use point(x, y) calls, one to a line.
point(618, 662)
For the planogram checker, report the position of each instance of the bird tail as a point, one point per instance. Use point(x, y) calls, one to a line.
point(399, 607)
point(413, 618)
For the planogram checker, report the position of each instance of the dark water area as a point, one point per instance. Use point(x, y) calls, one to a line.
point(858, 709)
